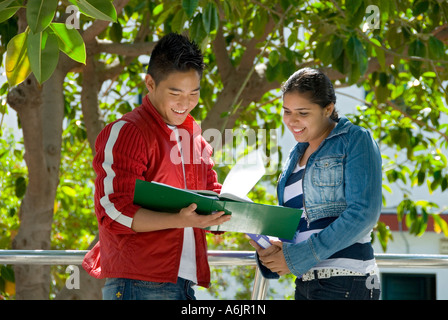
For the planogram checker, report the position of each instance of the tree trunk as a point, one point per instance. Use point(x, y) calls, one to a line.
point(41, 110)
point(32, 281)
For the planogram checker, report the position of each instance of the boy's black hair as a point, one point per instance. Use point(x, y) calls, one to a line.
point(174, 53)
point(315, 84)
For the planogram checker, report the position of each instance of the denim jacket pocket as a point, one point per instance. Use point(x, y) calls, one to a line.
point(328, 171)
point(327, 177)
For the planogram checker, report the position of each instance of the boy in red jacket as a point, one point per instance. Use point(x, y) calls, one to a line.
point(146, 254)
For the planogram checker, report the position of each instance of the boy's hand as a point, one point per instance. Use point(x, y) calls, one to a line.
point(193, 219)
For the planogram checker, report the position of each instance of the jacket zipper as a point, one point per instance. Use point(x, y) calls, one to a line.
point(303, 195)
point(179, 146)
point(303, 181)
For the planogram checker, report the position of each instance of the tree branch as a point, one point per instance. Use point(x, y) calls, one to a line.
point(223, 62)
point(251, 52)
point(89, 101)
point(123, 49)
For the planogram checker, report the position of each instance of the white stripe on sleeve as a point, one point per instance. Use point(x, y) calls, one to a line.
point(108, 206)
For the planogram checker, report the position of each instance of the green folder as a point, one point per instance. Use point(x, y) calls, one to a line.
point(247, 217)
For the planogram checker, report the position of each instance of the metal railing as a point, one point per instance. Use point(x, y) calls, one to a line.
point(218, 258)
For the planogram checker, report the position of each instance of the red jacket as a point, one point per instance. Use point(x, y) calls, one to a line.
point(138, 146)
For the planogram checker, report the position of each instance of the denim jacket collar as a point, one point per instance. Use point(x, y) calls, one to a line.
point(342, 127)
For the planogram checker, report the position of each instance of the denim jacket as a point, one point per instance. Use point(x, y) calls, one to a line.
point(342, 179)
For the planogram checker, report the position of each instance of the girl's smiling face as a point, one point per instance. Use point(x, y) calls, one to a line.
point(307, 121)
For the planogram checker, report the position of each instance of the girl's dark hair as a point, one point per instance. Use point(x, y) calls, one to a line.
point(174, 53)
point(315, 85)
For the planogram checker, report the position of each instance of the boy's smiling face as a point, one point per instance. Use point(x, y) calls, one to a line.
point(175, 96)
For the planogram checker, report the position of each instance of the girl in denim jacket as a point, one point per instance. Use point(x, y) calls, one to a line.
point(334, 175)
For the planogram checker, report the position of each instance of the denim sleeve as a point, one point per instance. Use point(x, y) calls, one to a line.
point(363, 187)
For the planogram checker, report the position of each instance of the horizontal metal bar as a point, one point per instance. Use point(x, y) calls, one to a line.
point(75, 257)
point(216, 258)
point(42, 257)
point(390, 260)
point(231, 258)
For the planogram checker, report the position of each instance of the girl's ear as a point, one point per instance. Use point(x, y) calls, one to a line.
point(329, 109)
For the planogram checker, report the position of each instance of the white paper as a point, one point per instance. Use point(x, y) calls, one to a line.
point(244, 174)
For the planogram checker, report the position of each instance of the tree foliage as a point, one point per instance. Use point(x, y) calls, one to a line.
point(395, 50)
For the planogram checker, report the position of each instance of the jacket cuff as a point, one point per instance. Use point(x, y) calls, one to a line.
point(300, 257)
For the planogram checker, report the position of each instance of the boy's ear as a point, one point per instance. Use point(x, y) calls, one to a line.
point(150, 83)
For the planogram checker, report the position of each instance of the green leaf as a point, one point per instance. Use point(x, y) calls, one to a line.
point(342, 64)
point(164, 15)
point(17, 64)
point(421, 177)
point(210, 18)
point(384, 234)
point(440, 225)
point(429, 74)
point(259, 23)
point(69, 191)
point(420, 7)
point(381, 57)
point(158, 9)
point(352, 6)
point(324, 52)
point(444, 184)
point(355, 12)
point(116, 32)
point(357, 57)
point(197, 32)
point(70, 42)
point(9, 11)
point(190, 7)
point(436, 48)
point(416, 48)
point(39, 14)
point(356, 53)
point(274, 57)
point(98, 9)
point(337, 47)
point(43, 52)
point(274, 73)
point(5, 3)
point(20, 187)
point(7, 273)
point(177, 24)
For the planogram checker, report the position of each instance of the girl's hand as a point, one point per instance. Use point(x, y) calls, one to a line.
point(272, 257)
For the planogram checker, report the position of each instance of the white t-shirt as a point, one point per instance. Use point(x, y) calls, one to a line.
point(187, 267)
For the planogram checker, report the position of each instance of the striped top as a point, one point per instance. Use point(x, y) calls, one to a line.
point(357, 257)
